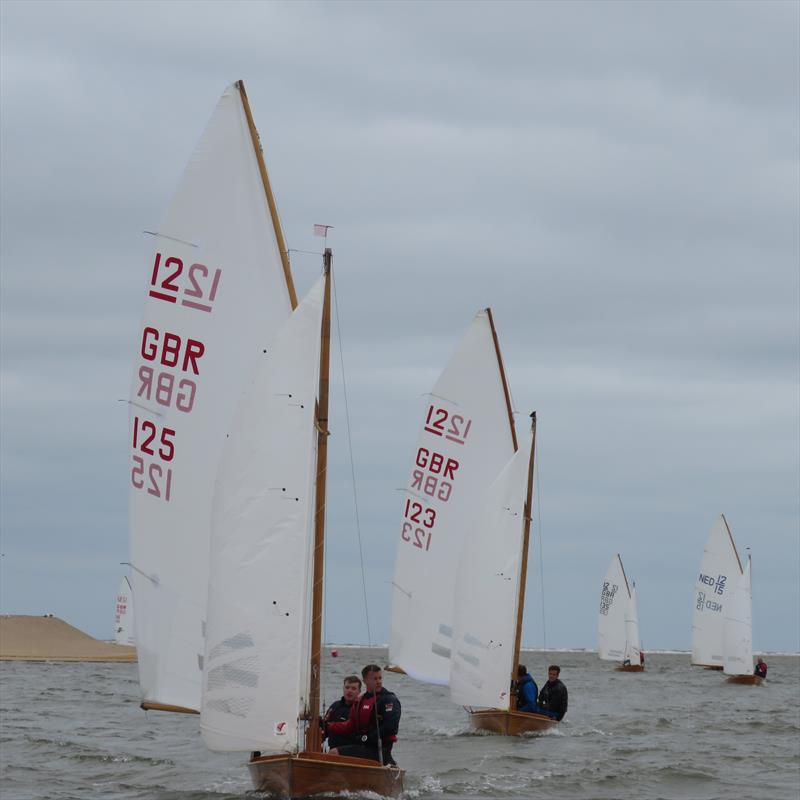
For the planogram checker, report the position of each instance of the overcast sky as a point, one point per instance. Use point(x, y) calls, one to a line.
point(618, 181)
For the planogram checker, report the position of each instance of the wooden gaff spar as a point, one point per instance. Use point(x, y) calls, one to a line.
point(227, 538)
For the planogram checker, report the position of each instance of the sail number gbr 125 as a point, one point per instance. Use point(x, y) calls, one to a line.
point(150, 445)
point(417, 525)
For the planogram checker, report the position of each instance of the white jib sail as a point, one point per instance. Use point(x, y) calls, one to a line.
point(720, 570)
point(216, 288)
point(254, 684)
point(464, 442)
point(614, 598)
point(633, 644)
point(738, 628)
point(123, 614)
point(487, 591)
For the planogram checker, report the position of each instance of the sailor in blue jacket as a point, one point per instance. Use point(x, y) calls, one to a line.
point(527, 690)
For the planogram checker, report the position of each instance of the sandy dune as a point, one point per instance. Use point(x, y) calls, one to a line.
point(25, 638)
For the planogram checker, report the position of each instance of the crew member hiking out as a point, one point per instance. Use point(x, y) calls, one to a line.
point(339, 711)
point(374, 720)
point(527, 691)
point(553, 697)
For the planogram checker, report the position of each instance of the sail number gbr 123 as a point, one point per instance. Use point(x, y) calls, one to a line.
point(433, 476)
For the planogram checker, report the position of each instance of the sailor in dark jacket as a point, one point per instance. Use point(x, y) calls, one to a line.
point(526, 690)
point(340, 710)
point(553, 697)
point(374, 720)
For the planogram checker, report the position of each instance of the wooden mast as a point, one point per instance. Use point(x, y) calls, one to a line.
point(523, 567)
point(273, 208)
point(622, 567)
point(313, 734)
point(503, 379)
point(733, 545)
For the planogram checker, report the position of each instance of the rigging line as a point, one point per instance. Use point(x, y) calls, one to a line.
point(352, 462)
point(541, 548)
point(305, 252)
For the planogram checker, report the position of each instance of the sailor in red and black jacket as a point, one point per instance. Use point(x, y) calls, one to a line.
point(374, 718)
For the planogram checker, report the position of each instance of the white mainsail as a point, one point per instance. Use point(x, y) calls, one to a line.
point(255, 682)
point(720, 571)
point(611, 619)
point(487, 591)
point(466, 438)
point(738, 628)
point(123, 614)
point(633, 644)
point(216, 288)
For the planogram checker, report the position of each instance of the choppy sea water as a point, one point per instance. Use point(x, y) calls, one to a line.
point(75, 731)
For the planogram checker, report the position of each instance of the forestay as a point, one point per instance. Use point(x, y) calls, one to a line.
point(487, 591)
point(611, 625)
point(258, 636)
point(738, 628)
point(465, 440)
point(123, 614)
point(216, 288)
point(720, 570)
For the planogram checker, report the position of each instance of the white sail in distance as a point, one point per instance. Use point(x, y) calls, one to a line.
point(216, 287)
point(465, 439)
point(255, 682)
point(720, 571)
point(487, 591)
point(738, 628)
point(611, 619)
point(123, 614)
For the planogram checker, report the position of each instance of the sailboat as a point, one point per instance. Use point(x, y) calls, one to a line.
point(123, 614)
point(462, 552)
point(229, 475)
point(720, 574)
point(618, 620)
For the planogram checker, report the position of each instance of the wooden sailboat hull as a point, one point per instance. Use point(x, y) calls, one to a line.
point(305, 774)
point(747, 680)
point(509, 723)
point(630, 668)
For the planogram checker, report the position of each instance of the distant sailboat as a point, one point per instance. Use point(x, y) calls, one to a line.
point(461, 560)
point(238, 494)
point(618, 620)
point(123, 614)
point(720, 573)
point(466, 438)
